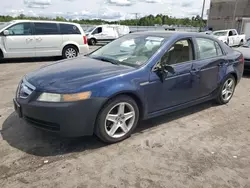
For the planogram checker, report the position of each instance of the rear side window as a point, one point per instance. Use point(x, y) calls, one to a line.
point(46, 28)
point(208, 48)
point(67, 29)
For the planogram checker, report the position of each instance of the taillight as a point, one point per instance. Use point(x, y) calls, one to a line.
point(241, 60)
point(85, 41)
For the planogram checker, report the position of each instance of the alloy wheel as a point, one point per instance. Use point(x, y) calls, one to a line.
point(120, 120)
point(70, 53)
point(228, 89)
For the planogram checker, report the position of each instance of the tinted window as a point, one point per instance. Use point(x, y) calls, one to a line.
point(207, 48)
point(46, 28)
point(234, 32)
point(180, 52)
point(20, 29)
point(69, 29)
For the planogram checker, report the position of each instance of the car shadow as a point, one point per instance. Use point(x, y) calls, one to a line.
point(246, 74)
point(19, 134)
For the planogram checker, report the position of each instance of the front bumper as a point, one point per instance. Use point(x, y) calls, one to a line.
point(69, 119)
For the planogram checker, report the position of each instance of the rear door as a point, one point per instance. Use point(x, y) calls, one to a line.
point(206, 69)
point(20, 41)
point(48, 39)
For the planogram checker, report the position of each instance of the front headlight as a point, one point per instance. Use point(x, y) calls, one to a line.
point(54, 97)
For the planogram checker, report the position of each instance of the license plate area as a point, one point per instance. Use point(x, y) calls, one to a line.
point(17, 108)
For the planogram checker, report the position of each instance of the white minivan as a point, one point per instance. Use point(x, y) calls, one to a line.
point(29, 38)
point(105, 33)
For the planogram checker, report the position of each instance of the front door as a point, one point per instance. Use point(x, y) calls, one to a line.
point(206, 68)
point(48, 39)
point(177, 87)
point(20, 41)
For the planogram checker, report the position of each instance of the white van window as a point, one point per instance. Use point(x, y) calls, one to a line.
point(20, 29)
point(69, 29)
point(97, 30)
point(46, 28)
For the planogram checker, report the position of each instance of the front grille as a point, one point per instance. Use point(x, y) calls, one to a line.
point(43, 124)
point(25, 89)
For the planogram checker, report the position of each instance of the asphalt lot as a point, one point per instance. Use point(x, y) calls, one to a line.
point(203, 146)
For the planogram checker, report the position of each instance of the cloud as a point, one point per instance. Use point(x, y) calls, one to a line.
point(120, 2)
point(37, 3)
point(17, 12)
point(187, 4)
point(152, 1)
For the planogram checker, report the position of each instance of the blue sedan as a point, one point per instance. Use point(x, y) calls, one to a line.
point(138, 76)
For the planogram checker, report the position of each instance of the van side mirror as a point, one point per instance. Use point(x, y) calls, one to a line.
point(6, 32)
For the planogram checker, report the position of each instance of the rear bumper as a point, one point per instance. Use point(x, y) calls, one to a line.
point(67, 119)
point(83, 49)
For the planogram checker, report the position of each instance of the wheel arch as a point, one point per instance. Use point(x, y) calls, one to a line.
point(70, 44)
point(133, 95)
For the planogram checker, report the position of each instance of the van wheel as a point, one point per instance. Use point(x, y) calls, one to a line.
point(226, 90)
point(241, 43)
point(92, 41)
point(69, 52)
point(117, 119)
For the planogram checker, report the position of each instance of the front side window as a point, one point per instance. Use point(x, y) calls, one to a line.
point(69, 29)
point(208, 48)
point(46, 28)
point(132, 50)
point(20, 29)
point(97, 30)
point(180, 52)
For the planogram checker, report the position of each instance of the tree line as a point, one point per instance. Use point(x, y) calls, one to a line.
point(149, 20)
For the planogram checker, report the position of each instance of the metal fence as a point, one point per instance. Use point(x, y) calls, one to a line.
point(154, 28)
point(148, 28)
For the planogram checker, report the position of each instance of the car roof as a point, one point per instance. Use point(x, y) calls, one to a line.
point(44, 21)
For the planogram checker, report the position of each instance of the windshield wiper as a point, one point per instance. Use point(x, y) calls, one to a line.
point(106, 59)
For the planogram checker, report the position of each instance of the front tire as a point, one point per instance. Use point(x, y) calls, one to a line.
point(117, 119)
point(69, 52)
point(226, 90)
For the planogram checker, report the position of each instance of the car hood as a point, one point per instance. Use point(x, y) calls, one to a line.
point(245, 51)
point(71, 75)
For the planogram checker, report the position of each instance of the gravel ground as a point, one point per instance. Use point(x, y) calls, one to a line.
point(202, 146)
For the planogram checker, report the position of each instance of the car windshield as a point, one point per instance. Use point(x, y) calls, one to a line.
point(3, 25)
point(221, 33)
point(90, 29)
point(132, 50)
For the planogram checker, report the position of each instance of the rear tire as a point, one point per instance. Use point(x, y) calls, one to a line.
point(117, 119)
point(69, 52)
point(241, 43)
point(92, 41)
point(226, 90)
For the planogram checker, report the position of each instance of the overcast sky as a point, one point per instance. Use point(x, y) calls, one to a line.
point(104, 9)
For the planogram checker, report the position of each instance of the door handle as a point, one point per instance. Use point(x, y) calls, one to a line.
point(29, 39)
point(39, 39)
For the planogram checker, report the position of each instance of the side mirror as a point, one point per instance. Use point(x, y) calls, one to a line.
point(6, 32)
point(163, 70)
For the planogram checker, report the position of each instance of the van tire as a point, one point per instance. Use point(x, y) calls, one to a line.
point(1, 54)
point(92, 41)
point(70, 51)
